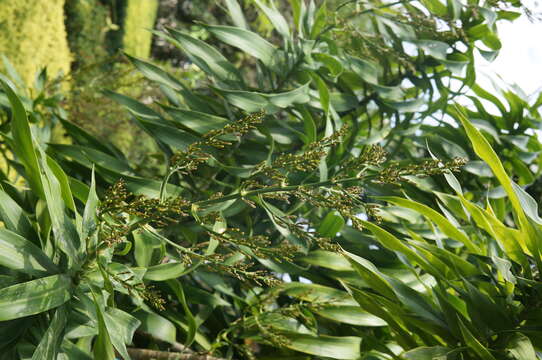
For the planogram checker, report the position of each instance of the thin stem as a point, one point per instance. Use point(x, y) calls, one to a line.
point(274, 189)
point(146, 354)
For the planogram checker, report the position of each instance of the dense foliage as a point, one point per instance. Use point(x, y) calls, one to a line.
point(331, 183)
point(139, 18)
point(43, 40)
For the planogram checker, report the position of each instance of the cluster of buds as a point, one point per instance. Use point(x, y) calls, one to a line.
point(119, 202)
point(238, 128)
point(113, 233)
point(242, 272)
point(260, 245)
point(347, 201)
point(305, 161)
point(396, 173)
point(153, 297)
point(373, 155)
point(139, 289)
point(189, 160)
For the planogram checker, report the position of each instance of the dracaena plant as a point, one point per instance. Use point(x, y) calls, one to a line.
point(248, 198)
point(67, 271)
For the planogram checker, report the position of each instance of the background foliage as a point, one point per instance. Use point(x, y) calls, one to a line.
point(34, 36)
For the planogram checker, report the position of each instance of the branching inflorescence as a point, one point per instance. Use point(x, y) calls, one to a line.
point(122, 212)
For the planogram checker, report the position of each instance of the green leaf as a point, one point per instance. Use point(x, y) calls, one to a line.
point(371, 275)
point(207, 58)
point(372, 303)
point(178, 290)
point(283, 100)
point(146, 247)
point(66, 236)
point(253, 101)
point(73, 352)
point(427, 353)
point(323, 92)
point(12, 72)
point(508, 15)
point(334, 66)
point(509, 239)
point(483, 149)
point(521, 348)
point(196, 121)
point(407, 106)
point(22, 140)
point(436, 7)
point(103, 348)
point(88, 156)
point(19, 254)
point(474, 344)
point(436, 49)
point(343, 102)
point(89, 225)
point(15, 219)
point(444, 224)
point(392, 243)
point(154, 73)
point(352, 315)
point(335, 347)
point(79, 189)
point(327, 259)
point(82, 137)
point(236, 13)
point(167, 271)
point(160, 327)
point(478, 168)
point(135, 107)
point(478, 31)
point(63, 181)
point(331, 225)
point(34, 297)
point(164, 132)
point(528, 204)
point(486, 153)
point(49, 345)
point(121, 327)
point(319, 294)
point(320, 20)
point(492, 41)
point(308, 124)
point(247, 41)
point(275, 17)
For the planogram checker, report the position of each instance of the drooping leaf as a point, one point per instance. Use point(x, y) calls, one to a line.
point(121, 327)
point(249, 42)
point(206, 57)
point(178, 290)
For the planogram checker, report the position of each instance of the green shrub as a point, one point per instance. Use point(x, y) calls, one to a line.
point(139, 19)
point(34, 36)
point(87, 24)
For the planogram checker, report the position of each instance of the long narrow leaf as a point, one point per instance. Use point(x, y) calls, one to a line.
point(34, 297)
point(19, 254)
